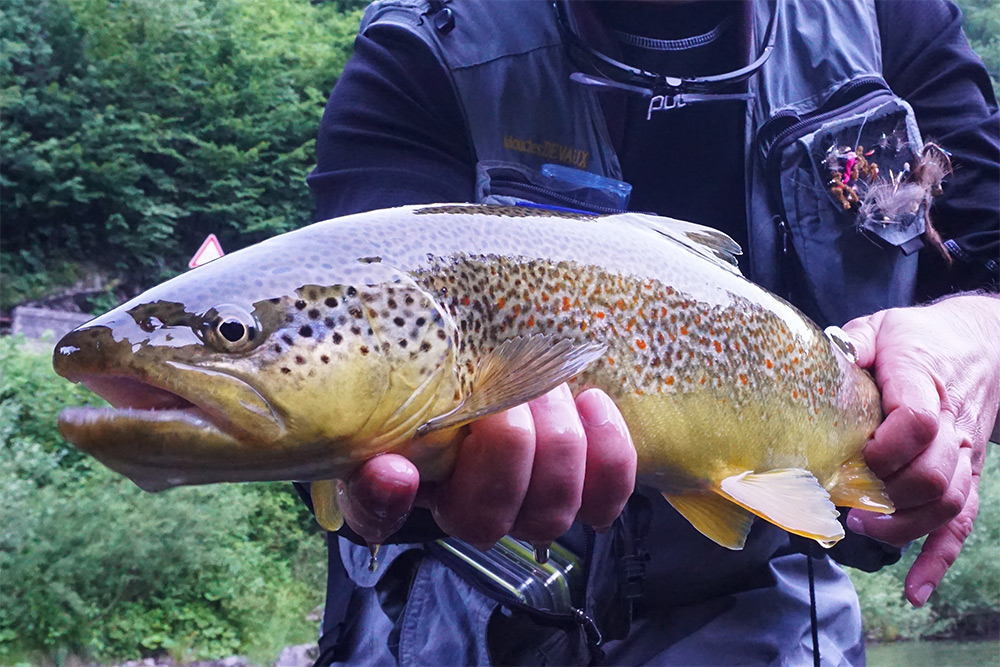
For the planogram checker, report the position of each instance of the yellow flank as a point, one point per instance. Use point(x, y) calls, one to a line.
point(305, 355)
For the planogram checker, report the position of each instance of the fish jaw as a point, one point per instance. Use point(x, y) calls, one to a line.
point(191, 425)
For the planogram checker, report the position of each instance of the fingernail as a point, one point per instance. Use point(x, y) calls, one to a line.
point(855, 525)
point(595, 409)
point(923, 593)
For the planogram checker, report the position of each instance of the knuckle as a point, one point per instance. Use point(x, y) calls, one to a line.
point(961, 526)
point(935, 484)
point(952, 503)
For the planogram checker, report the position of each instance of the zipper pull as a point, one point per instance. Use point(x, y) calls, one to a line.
point(783, 228)
point(590, 629)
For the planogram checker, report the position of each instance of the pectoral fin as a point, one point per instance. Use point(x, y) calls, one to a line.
point(517, 371)
point(715, 517)
point(854, 485)
point(791, 498)
point(325, 505)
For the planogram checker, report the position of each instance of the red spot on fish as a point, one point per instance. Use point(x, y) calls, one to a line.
point(621, 304)
point(808, 371)
point(718, 346)
point(737, 346)
point(743, 378)
point(684, 330)
point(583, 326)
point(565, 305)
point(640, 343)
point(517, 309)
point(631, 323)
point(670, 379)
point(545, 296)
point(500, 302)
point(768, 363)
point(599, 315)
point(819, 389)
point(795, 394)
point(464, 301)
point(611, 360)
point(531, 321)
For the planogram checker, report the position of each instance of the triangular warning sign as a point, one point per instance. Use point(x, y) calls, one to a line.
point(210, 249)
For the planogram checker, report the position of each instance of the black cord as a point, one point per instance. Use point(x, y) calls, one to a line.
point(812, 606)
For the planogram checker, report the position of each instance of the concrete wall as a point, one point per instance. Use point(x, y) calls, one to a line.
point(35, 322)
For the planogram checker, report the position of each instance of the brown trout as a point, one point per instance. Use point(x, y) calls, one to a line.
point(303, 356)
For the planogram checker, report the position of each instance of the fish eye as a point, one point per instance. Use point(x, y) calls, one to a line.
point(231, 328)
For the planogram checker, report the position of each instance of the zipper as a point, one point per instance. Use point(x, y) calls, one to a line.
point(528, 189)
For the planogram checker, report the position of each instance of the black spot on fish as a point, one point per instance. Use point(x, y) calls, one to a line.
point(364, 349)
point(300, 304)
point(286, 371)
point(441, 334)
point(328, 321)
point(299, 359)
point(391, 302)
point(306, 331)
point(408, 300)
point(424, 346)
point(275, 300)
point(337, 338)
point(399, 321)
point(402, 342)
point(277, 349)
point(370, 260)
point(288, 339)
point(325, 359)
point(421, 321)
point(368, 297)
point(289, 318)
point(351, 291)
point(385, 346)
point(356, 331)
point(330, 302)
point(313, 314)
point(355, 313)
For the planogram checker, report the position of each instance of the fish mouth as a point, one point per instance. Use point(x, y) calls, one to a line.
point(160, 439)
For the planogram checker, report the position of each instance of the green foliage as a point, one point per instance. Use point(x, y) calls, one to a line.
point(966, 603)
point(981, 22)
point(94, 566)
point(132, 128)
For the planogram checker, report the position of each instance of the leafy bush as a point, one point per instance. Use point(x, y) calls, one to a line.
point(981, 22)
point(94, 566)
point(132, 128)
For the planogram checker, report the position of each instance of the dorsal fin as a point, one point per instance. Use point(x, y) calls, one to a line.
point(705, 241)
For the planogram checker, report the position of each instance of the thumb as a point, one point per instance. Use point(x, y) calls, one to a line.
point(864, 332)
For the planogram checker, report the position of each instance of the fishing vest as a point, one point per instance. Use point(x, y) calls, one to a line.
point(821, 89)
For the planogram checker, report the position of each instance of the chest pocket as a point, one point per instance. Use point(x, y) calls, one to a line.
point(852, 215)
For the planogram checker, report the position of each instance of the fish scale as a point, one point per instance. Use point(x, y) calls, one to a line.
point(391, 330)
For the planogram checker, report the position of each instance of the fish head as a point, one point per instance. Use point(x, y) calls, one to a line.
point(207, 385)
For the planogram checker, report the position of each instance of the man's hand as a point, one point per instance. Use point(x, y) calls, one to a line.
point(938, 368)
point(530, 471)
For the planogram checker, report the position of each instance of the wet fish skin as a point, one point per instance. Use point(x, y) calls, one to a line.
point(363, 332)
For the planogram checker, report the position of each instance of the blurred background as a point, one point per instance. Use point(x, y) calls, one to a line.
point(129, 130)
